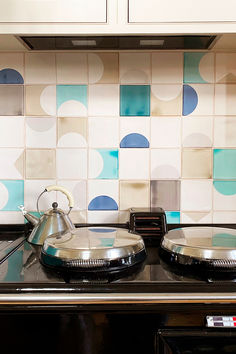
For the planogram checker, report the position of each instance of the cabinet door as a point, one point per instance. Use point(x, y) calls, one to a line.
point(53, 11)
point(181, 11)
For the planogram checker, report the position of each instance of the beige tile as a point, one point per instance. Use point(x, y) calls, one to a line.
point(197, 163)
point(103, 68)
point(40, 100)
point(11, 100)
point(71, 68)
point(72, 132)
point(167, 68)
point(135, 68)
point(225, 68)
point(225, 103)
point(166, 100)
point(40, 164)
point(134, 194)
point(40, 68)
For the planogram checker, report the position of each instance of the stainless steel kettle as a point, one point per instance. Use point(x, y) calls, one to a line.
point(52, 221)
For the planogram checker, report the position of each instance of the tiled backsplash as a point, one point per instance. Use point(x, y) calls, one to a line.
point(119, 130)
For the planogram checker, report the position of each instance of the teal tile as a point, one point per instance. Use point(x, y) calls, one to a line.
point(191, 68)
point(110, 164)
point(135, 100)
point(224, 163)
point(225, 187)
point(66, 93)
point(15, 189)
point(172, 217)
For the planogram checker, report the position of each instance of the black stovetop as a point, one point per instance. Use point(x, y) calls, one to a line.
point(21, 271)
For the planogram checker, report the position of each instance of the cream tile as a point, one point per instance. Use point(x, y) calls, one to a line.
point(12, 163)
point(225, 103)
point(197, 163)
point(103, 132)
point(40, 164)
point(224, 217)
point(72, 163)
point(40, 68)
point(197, 131)
point(165, 163)
point(40, 100)
point(103, 216)
point(196, 195)
point(11, 68)
point(225, 68)
point(134, 164)
point(196, 218)
point(71, 68)
point(135, 68)
point(225, 132)
point(11, 100)
point(134, 194)
point(103, 100)
point(78, 189)
point(40, 132)
point(167, 68)
point(11, 217)
point(103, 68)
point(12, 132)
point(165, 132)
point(166, 100)
point(32, 190)
point(72, 132)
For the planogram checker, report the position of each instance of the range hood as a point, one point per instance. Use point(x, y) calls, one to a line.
point(183, 42)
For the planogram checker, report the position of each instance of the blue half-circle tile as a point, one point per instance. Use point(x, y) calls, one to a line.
point(10, 76)
point(134, 140)
point(225, 187)
point(190, 100)
point(103, 202)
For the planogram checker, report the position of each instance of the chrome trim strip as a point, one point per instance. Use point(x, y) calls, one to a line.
point(99, 298)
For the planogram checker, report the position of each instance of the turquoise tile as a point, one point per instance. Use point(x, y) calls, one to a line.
point(172, 217)
point(191, 68)
point(225, 187)
point(72, 93)
point(110, 164)
point(224, 163)
point(135, 100)
point(15, 190)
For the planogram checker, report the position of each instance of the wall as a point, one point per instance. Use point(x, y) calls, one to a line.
point(119, 130)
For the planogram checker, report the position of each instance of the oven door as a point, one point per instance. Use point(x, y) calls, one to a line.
point(196, 341)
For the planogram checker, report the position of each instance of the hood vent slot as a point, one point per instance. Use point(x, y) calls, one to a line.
point(199, 42)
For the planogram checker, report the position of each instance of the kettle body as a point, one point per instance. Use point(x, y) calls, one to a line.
point(52, 221)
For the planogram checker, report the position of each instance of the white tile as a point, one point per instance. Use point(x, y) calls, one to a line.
point(103, 100)
point(225, 67)
point(197, 131)
point(103, 132)
point(135, 68)
point(196, 217)
point(32, 190)
point(225, 103)
point(11, 217)
point(134, 164)
point(137, 125)
point(224, 217)
point(71, 163)
point(103, 216)
point(71, 68)
point(196, 195)
point(225, 132)
point(167, 68)
point(11, 132)
point(41, 132)
point(165, 132)
point(165, 163)
point(108, 188)
point(40, 68)
point(78, 189)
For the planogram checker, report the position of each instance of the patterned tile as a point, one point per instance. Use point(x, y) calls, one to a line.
point(197, 163)
point(224, 195)
point(225, 68)
point(104, 164)
point(78, 188)
point(134, 194)
point(72, 132)
point(196, 195)
point(225, 103)
point(103, 195)
point(72, 100)
point(167, 68)
point(224, 163)
point(165, 163)
point(40, 164)
point(11, 100)
point(196, 218)
point(40, 132)
point(135, 68)
point(198, 68)
point(166, 100)
point(103, 68)
point(135, 100)
point(40, 100)
point(12, 163)
point(40, 68)
point(134, 132)
point(198, 99)
point(165, 194)
point(197, 131)
point(12, 68)
point(11, 194)
point(71, 68)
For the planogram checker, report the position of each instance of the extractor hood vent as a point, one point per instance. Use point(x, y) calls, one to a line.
point(118, 42)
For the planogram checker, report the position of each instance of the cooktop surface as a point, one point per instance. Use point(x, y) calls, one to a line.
point(22, 270)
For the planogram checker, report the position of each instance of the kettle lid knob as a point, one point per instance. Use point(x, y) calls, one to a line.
point(54, 205)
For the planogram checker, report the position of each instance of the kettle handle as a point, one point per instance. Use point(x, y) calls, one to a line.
point(63, 190)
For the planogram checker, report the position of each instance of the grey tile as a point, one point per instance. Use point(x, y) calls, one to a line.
point(11, 100)
point(165, 194)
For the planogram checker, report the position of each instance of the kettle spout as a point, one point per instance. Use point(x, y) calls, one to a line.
point(31, 218)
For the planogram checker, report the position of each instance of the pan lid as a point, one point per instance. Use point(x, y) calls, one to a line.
point(93, 243)
point(205, 243)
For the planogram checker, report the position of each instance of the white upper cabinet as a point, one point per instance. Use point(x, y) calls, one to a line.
point(175, 11)
point(53, 11)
